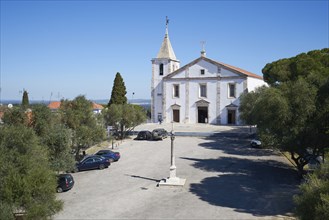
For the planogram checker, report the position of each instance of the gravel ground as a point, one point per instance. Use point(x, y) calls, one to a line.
point(225, 180)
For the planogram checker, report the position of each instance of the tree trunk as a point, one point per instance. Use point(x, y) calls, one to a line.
point(300, 163)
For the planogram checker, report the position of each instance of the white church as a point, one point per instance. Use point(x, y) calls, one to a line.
point(202, 91)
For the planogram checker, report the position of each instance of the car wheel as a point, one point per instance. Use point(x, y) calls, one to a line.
point(112, 160)
point(59, 189)
point(101, 166)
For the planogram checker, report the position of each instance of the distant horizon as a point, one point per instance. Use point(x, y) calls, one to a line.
point(98, 101)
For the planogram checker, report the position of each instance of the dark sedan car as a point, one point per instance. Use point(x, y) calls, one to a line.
point(93, 162)
point(64, 182)
point(159, 134)
point(144, 135)
point(112, 156)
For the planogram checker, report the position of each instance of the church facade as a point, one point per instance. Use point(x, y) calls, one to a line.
point(202, 91)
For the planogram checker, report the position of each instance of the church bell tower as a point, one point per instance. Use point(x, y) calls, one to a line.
point(164, 64)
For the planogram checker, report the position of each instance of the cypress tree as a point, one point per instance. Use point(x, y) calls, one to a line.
point(25, 100)
point(119, 92)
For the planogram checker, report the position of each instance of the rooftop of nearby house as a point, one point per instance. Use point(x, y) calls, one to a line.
point(56, 104)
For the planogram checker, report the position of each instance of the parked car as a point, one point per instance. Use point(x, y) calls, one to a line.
point(144, 135)
point(64, 182)
point(93, 162)
point(113, 156)
point(313, 160)
point(159, 134)
point(255, 143)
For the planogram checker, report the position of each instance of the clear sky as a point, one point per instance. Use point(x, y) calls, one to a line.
point(62, 49)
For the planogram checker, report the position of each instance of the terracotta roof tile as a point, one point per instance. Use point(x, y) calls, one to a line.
point(97, 106)
point(54, 105)
point(57, 104)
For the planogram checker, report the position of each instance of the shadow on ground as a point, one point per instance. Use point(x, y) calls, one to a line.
point(250, 185)
point(235, 144)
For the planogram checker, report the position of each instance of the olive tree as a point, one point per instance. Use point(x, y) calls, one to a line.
point(27, 183)
point(124, 118)
point(79, 117)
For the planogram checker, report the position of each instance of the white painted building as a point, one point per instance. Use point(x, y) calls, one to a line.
point(202, 91)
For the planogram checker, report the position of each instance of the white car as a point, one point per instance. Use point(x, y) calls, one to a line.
point(255, 143)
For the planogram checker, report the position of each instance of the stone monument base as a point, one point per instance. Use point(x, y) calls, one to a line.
point(172, 182)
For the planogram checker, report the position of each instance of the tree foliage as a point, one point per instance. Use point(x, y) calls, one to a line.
point(15, 116)
point(25, 100)
point(27, 183)
point(313, 202)
point(79, 117)
point(292, 113)
point(124, 118)
point(118, 95)
point(54, 136)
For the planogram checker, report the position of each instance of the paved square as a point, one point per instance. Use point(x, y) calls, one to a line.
point(225, 180)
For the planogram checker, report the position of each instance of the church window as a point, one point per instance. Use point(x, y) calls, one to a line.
point(203, 90)
point(161, 69)
point(231, 90)
point(202, 71)
point(176, 91)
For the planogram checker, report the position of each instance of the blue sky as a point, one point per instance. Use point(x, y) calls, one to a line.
point(62, 49)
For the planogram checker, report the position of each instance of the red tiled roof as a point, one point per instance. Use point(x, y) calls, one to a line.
point(57, 104)
point(97, 106)
point(54, 105)
point(241, 70)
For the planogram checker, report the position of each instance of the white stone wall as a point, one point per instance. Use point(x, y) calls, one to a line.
point(157, 85)
point(225, 100)
point(217, 82)
point(195, 96)
point(170, 100)
point(253, 83)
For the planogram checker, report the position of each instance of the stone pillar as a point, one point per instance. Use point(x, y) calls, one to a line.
point(172, 161)
point(173, 180)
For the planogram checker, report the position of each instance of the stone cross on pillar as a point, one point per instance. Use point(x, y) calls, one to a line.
point(173, 180)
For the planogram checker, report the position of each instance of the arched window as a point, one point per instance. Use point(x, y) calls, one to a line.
point(161, 69)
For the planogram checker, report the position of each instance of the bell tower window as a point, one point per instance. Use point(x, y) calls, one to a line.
point(161, 69)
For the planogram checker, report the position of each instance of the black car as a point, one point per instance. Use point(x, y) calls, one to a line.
point(144, 135)
point(159, 134)
point(64, 182)
point(93, 162)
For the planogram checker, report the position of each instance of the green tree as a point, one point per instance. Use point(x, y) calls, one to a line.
point(313, 202)
point(292, 113)
point(118, 95)
point(27, 183)
point(79, 117)
point(25, 100)
point(41, 120)
point(55, 136)
point(59, 144)
point(124, 118)
point(51, 133)
point(15, 116)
